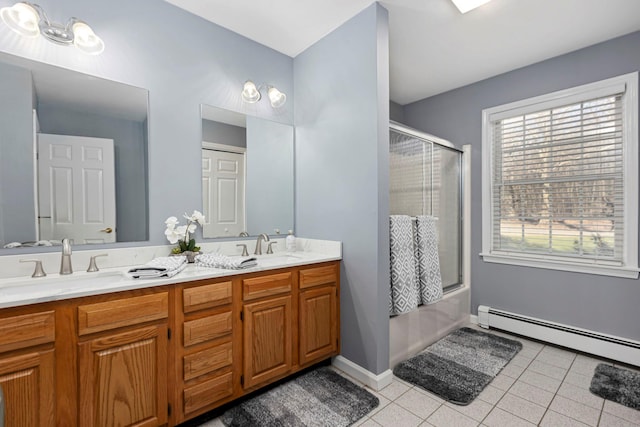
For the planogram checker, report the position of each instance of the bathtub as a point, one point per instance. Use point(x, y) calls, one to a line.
point(412, 332)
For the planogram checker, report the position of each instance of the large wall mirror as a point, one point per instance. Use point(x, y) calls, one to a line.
point(73, 157)
point(247, 174)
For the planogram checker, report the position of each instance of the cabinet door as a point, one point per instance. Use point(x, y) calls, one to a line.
point(318, 324)
point(123, 378)
point(267, 340)
point(28, 385)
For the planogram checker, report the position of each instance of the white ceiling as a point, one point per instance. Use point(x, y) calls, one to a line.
point(434, 48)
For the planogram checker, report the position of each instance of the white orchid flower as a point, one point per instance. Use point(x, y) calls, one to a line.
point(198, 217)
point(181, 230)
point(172, 235)
point(171, 222)
point(175, 232)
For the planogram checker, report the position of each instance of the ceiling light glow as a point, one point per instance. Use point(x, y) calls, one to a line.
point(465, 6)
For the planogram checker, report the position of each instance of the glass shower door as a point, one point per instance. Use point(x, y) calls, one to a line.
point(425, 178)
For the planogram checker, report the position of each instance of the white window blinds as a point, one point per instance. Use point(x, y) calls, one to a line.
point(557, 180)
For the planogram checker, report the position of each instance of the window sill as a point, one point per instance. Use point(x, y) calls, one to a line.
point(552, 264)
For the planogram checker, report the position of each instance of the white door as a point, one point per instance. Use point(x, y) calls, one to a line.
point(223, 193)
point(76, 189)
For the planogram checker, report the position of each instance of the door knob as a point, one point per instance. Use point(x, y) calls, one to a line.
point(107, 230)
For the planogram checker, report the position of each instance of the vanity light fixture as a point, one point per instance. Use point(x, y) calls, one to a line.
point(30, 20)
point(251, 94)
point(465, 6)
point(276, 98)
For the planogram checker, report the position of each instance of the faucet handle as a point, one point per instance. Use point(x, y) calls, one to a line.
point(269, 248)
point(92, 263)
point(39, 271)
point(245, 252)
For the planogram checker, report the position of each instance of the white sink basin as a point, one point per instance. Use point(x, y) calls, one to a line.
point(277, 259)
point(56, 284)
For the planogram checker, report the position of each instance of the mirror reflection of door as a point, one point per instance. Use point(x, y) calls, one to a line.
point(76, 180)
point(223, 190)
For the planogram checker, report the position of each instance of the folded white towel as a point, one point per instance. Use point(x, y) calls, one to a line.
point(167, 266)
point(12, 245)
point(216, 260)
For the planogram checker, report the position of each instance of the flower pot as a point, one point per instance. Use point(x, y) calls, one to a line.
point(189, 254)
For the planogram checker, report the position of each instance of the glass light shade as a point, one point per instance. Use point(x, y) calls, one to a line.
point(86, 40)
point(21, 18)
point(250, 92)
point(276, 97)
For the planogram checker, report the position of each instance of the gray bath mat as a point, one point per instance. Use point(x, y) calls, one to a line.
point(318, 398)
point(619, 385)
point(460, 365)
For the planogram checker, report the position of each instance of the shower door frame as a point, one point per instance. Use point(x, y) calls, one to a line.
point(432, 139)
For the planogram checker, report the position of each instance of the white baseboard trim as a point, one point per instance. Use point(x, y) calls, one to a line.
point(376, 382)
point(473, 319)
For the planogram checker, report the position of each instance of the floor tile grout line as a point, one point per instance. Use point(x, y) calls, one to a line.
point(509, 388)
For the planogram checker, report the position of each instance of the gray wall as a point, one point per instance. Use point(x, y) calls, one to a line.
point(396, 112)
point(342, 144)
point(222, 133)
point(269, 186)
point(204, 64)
point(600, 303)
point(129, 146)
point(17, 210)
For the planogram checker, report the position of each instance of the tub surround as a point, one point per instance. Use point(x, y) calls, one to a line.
point(55, 287)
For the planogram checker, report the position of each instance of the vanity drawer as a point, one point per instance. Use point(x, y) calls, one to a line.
point(318, 276)
point(266, 286)
point(103, 316)
point(207, 361)
point(206, 296)
point(27, 330)
point(208, 392)
point(206, 328)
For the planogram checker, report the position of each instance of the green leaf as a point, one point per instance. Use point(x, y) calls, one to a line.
point(192, 244)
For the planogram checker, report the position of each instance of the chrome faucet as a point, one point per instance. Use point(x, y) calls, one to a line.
point(65, 263)
point(261, 238)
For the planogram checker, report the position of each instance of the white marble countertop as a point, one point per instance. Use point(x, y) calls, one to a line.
point(19, 291)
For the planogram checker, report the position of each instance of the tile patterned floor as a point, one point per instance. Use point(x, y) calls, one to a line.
point(543, 385)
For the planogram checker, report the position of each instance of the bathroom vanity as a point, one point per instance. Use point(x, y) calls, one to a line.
point(162, 351)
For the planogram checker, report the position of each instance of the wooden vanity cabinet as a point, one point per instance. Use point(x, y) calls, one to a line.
point(27, 368)
point(161, 356)
point(319, 313)
point(122, 361)
point(207, 348)
point(267, 316)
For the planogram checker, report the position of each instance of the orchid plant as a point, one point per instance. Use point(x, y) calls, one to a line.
point(181, 234)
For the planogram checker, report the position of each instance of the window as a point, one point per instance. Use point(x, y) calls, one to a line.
point(560, 180)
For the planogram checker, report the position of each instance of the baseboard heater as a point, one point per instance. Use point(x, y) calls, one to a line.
point(609, 346)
